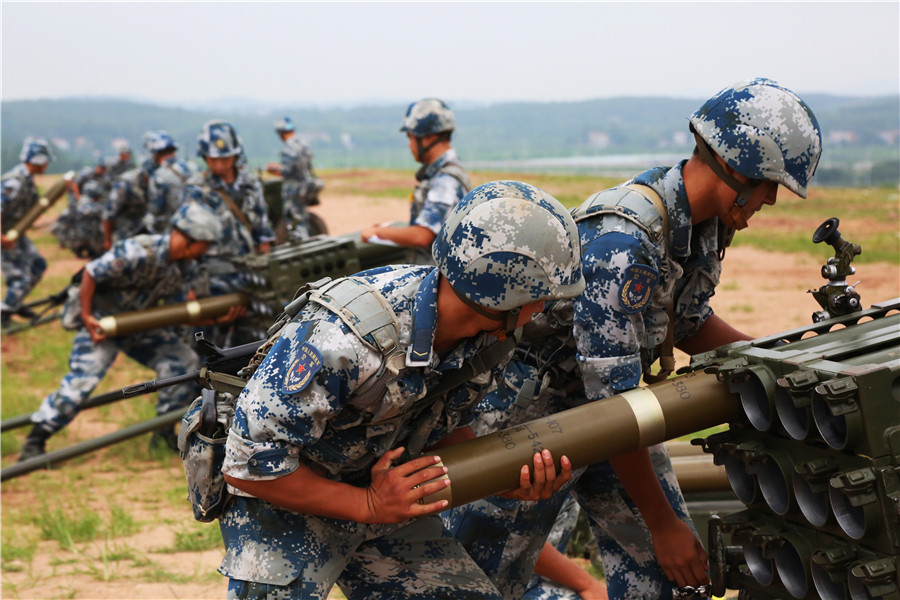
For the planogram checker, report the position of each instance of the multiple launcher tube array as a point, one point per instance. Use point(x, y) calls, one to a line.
point(815, 458)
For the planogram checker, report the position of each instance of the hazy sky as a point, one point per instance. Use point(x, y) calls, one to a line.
point(347, 52)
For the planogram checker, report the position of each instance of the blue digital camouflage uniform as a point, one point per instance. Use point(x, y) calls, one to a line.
point(541, 588)
point(442, 184)
point(166, 192)
point(126, 205)
point(79, 227)
point(134, 274)
point(22, 265)
point(237, 240)
point(611, 333)
point(283, 420)
point(299, 185)
point(119, 167)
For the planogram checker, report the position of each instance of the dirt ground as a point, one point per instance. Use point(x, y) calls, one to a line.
point(762, 293)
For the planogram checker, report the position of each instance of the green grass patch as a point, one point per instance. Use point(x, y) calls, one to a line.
point(75, 524)
point(199, 537)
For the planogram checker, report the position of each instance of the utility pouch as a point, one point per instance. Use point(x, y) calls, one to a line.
point(201, 441)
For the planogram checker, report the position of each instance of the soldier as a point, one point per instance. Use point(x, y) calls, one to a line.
point(235, 195)
point(300, 187)
point(125, 209)
point(22, 265)
point(123, 161)
point(343, 395)
point(79, 226)
point(96, 173)
point(428, 125)
point(652, 252)
point(137, 273)
point(166, 187)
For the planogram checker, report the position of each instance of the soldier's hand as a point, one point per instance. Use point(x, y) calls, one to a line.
point(680, 554)
point(93, 327)
point(395, 492)
point(545, 482)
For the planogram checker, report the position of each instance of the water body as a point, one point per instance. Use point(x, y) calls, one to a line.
point(613, 163)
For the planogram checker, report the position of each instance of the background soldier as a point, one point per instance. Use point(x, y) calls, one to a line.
point(123, 161)
point(166, 188)
point(137, 273)
point(235, 196)
point(79, 226)
point(321, 421)
point(443, 182)
point(652, 259)
point(22, 265)
point(125, 210)
point(300, 187)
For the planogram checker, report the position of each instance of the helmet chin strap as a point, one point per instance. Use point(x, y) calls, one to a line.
point(422, 150)
point(509, 318)
point(744, 190)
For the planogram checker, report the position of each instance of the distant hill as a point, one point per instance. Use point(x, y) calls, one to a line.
point(861, 134)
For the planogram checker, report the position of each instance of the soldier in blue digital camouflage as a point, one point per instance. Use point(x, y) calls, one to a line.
point(125, 209)
point(123, 161)
point(324, 455)
point(236, 197)
point(137, 273)
point(428, 125)
point(79, 227)
point(300, 186)
point(652, 251)
point(165, 190)
point(97, 173)
point(21, 263)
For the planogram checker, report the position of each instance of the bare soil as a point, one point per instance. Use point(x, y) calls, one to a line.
point(762, 293)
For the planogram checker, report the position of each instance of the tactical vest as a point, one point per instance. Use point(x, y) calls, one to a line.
point(452, 168)
point(368, 315)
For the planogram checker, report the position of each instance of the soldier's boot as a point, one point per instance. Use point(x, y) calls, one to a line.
point(164, 437)
point(35, 443)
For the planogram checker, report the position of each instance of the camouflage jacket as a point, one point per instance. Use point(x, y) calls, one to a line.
point(136, 274)
point(296, 161)
point(310, 402)
point(442, 184)
point(613, 331)
point(165, 192)
point(18, 193)
point(246, 193)
point(126, 204)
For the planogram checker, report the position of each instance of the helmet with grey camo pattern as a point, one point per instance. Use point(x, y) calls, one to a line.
point(429, 116)
point(284, 125)
point(36, 151)
point(159, 141)
point(507, 244)
point(218, 139)
point(197, 221)
point(763, 131)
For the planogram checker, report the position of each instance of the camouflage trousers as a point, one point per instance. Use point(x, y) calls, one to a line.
point(505, 537)
point(414, 560)
point(296, 216)
point(541, 588)
point(161, 350)
point(22, 268)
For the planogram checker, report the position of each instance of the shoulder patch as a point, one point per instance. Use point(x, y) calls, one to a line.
point(637, 286)
point(303, 364)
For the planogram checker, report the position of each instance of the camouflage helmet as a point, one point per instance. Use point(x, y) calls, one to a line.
point(36, 151)
point(507, 244)
point(763, 131)
point(159, 141)
point(92, 189)
point(429, 116)
point(218, 139)
point(197, 221)
point(284, 125)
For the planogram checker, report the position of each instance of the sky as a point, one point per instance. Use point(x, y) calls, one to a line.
point(347, 53)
